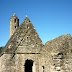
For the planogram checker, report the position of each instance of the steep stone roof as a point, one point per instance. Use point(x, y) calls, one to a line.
point(24, 40)
point(59, 44)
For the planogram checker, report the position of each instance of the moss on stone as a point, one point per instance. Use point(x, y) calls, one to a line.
point(1, 49)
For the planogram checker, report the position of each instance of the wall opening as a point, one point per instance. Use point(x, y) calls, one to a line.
point(27, 38)
point(15, 26)
point(60, 53)
point(27, 26)
point(28, 65)
point(43, 68)
point(15, 20)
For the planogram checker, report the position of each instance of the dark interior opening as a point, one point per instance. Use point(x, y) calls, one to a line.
point(26, 32)
point(15, 26)
point(15, 20)
point(17, 42)
point(43, 68)
point(27, 38)
point(27, 26)
point(60, 53)
point(28, 66)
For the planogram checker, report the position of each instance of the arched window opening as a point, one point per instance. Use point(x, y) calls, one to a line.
point(15, 20)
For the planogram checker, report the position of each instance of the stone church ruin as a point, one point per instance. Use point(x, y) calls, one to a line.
point(25, 51)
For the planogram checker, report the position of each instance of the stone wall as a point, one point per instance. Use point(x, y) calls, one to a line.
point(56, 54)
point(16, 63)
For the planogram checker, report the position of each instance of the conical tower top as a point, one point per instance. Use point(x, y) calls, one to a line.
point(26, 16)
point(14, 16)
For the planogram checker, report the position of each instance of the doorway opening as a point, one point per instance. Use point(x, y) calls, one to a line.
point(28, 65)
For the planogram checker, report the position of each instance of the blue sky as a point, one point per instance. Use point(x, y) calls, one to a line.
point(51, 18)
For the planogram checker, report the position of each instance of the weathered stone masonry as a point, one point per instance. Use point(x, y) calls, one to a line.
point(25, 52)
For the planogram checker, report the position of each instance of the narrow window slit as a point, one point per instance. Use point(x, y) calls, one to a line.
point(17, 42)
point(27, 26)
point(15, 20)
point(27, 38)
point(15, 26)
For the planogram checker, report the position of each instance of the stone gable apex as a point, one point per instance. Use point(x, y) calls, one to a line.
point(25, 38)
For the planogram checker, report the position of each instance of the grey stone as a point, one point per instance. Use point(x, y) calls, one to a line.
point(25, 48)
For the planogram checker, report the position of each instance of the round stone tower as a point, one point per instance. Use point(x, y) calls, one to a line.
point(14, 23)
